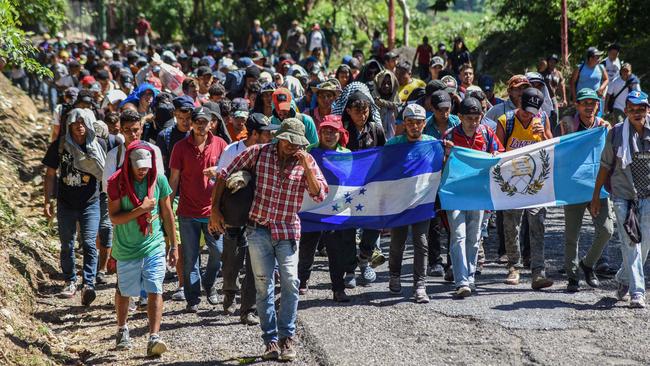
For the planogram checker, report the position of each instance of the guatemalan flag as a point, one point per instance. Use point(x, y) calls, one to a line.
point(554, 172)
point(376, 188)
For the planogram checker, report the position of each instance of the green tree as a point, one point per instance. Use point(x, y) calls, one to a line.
point(15, 47)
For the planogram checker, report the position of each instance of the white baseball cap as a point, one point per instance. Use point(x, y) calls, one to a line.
point(415, 111)
point(140, 158)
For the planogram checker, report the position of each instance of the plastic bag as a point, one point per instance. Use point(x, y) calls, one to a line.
point(172, 78)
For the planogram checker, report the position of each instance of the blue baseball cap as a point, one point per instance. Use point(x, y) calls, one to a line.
point(184, 102)
point(638, 97)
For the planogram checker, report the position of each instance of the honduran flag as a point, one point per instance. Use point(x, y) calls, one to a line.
point(376, 188)
point(554, 172)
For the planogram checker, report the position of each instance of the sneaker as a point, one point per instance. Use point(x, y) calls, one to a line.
point(340, 296)
point(287, 349)
point(122, 339)
point(213, 296)
point(472, 286)
point(155, 346)
point(503, 259)
point(436, 270)
point(303, 288)
point(132, 305)
point(250, 318)
point(449, 274)
point(192, 308)
point(368, 274)
point(68, 290)
point(421, 296)
point(463, 292)
point(88, 295)
point(229, 306)
point(513, 276)
point(350, 280)
point(395, 284)
point(100, 279)
point(142, 303)
point(590, 275)
point(377, 258)
point(179, 294)
point(272, 351)
point(573, 285)
point(637, 301)
point(540, 281)
point(622, 292)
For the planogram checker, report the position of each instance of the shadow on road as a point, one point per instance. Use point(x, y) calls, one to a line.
point(605, 303)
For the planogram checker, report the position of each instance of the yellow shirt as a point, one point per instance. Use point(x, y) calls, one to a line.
point(406, 90)
point(520, 136)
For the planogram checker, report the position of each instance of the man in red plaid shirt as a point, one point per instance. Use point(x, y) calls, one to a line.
point(283, 171)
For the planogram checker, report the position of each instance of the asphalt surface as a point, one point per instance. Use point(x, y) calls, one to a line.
point(500, 324)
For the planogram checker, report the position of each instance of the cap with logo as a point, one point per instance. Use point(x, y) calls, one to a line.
point(532, 100)
point(202, 113)
point(586, 93)
point(282, 99)
point(441, 99)
point(470, 105)
point(414, 111)
point(140, 158)
point(334, 121)
point(437, 61)
point(638, 98)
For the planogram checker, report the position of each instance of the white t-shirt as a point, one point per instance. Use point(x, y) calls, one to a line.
point(316, 40)
point(56, 115)
point(613, 69)
point(615, 87)
point(112, 165)
point(230, 153)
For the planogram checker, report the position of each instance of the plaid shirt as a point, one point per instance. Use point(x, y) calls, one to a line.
point(278, 195)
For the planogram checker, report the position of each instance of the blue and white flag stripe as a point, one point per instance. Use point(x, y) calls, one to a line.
point(555, 172)
point(377, 188)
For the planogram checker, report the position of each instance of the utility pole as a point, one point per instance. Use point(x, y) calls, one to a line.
point(391, 24)
point(565, 34)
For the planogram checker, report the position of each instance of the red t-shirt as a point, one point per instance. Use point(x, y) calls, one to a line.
point(476, 142)
point(196, 193)
point(425, 52)
point(142, 28)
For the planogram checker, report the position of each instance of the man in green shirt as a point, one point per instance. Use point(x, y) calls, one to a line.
point(414, 122)
point(138, 198)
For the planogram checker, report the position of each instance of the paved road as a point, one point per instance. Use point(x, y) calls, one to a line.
point(500, 325)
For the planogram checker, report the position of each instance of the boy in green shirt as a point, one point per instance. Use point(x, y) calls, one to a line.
point(138, 198)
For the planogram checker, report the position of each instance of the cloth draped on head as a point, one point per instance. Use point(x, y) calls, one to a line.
point(135, 95)
point(121, 184)
point(93, 159)
point(357, 89)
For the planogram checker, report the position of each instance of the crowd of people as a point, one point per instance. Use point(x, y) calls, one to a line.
point(150, 145)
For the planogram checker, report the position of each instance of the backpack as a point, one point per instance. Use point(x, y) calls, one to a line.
point(510, 123)
point(167, 136)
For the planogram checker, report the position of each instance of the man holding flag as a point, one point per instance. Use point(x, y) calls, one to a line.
point(414, 122)
point(517, 129)
point(465, 225)
point(584, 119)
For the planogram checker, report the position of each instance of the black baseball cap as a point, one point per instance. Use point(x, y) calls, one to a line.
point(440, 99)
point(532, 100)
point(260, 122)
point(470, 105)
point(433, 86)
point(405, 65)
point(593, 51)
point(202, 112)
point(203, 70)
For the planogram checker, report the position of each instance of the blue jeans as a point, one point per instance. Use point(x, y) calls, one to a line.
point(88, 220)
point(264, 253)
point(465, 227)
point(634, 255)
point(191, 230)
